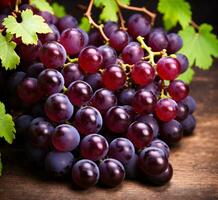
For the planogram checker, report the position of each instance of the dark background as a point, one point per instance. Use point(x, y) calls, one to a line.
point(202, 11)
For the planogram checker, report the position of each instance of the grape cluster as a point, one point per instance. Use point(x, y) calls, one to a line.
point(101, 112)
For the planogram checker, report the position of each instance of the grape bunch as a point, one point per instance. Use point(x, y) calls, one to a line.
point(101, 112)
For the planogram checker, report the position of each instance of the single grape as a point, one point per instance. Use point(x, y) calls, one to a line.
point(71, 73)
point(117, 119)
point(85, 173)
point(53, 55)
point(65, 138)
point(22, 124)
point(47, 16)
point(110, 27)
point(94, 80)
point(140, 134)
point(49, 37)
point(157, 40)
point(95, 38)
point(132, 53)
point(153, 87)
point(29, 53)
point(118, 40)
point(79, 92)
point(103, 99)
point(112, 172)
point(182, 111)
point(171, 132)
point(174, 43)
point(90, 59)
point(151, 121)
point(130, 110)
point(152, 161)
point(131, 167)
point(73, 40)
point(50, 81)
point(188, 124)
point(28, 91)
point(144, 101)
point(88, 120)
point(142, 73)
point(116, 74)
point(66, 22)
point(109, 55)
point(178, 90)
point(94, 147)
point(59, 164)
point(191, 103)
point(161, 145)
point(183, 61)
point(168, 68)
point(40, 133)
point(122, 150)
point(162, 178)
point(58, 108)
point(126, 96)
point(166, 109)
point(138, 25)
point(34, 70)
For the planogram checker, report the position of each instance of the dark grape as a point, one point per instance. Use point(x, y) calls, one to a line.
point(161, 145)
point(157, 40)
point(50, 81)
point(47, 16)
point(34, 70)
point(65, 138)
point(103, 99)
point(182, 111)
point(112, 172)
point(110, 27)
point(131, 167)
point(53, 55)
point(132, 53)
point(174, 43)
point(191, 103)
point(49, 37)
point(126, 96)
point(166, 109)
point(138, 25)
point(95, 38)
point(90, 59)
point(66, 22)
point(142, 73)
point(71, 73)
point(58, 108)
point(79, 92)
point(117, 119)
point(59, 164)
point(94, 80)
point(109, 55)
point(118, 39)
point(140, 134)
point(22, 124)
point(183, 61)
point(188, 124)
point(152, 161)
point(171, 132)
point(94, 147)
point(88, 120)
point(85, 173)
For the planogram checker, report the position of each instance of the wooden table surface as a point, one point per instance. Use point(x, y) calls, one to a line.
point(195, 163)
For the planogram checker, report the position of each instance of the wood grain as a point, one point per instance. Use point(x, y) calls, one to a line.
point(195, 163)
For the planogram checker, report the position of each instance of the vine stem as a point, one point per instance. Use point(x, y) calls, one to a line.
point(151, 54)
point(143, 9)
point(122, 21)
point(92, 22)
point(194, 25)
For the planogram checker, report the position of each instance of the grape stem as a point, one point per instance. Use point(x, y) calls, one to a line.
point(151, 54)
point(72, 60)
point(143, 9)
point(122, 21)
point(194, 25)
point(92, 22)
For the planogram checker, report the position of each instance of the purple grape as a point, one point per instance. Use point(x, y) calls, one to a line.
point(65, 138)
point(188, 124)
point(182, 111)
point(126, 96)
point(110, 27)
point(85, 173)
point(58, 108)
point(22, 124)
point(34, 70)
point(191, 103)
point(132, 167)
point(174, 43)
point(50, 81)
point(59, 164)
point(94, 80)
point(161, 145)
point(47, 16)
point(112, 172)
point(88, 120)
point(66, 22)
point(94, 147)
point(49, 37)
point(109, 55)
point(183, 61)
point(158, 40)
point(95, 38)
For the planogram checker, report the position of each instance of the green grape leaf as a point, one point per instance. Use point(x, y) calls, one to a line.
point(187, 75)
point(7, 129)
point(175, 11)
point(84, 24)
point(200, 47)
point(1, 166)
point(110, 9)
point(28, 28)
point(42, 5)
point(58, 9)
point(9, 58)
